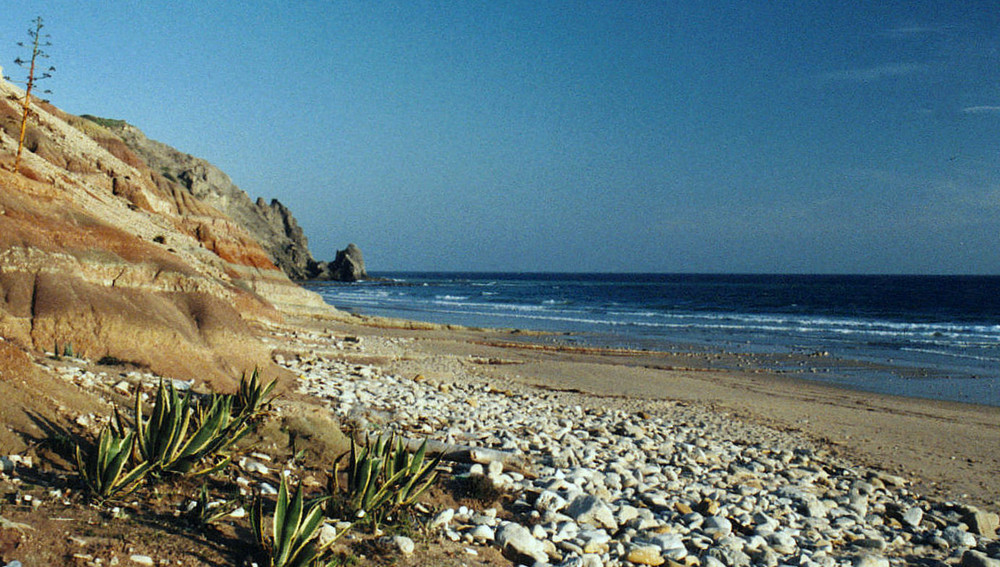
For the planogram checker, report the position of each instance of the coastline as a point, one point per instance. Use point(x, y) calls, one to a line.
point(949, 450)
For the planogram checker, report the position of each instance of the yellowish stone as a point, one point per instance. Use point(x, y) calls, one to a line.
point(664, 529)
point(594, 547)
point(646, 555)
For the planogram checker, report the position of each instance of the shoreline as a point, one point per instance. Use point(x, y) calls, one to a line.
point(950, 450)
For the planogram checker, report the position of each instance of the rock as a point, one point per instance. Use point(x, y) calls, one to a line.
point(108, 284)
point(517, 544)
point(270, 224)
point(253, 466)
point(666, 542)
point(730, 555)
point(494, 469)
point(707, 507)
point(956, 537)
point(645, 555)
point(402, 544)
point(913, 516)
point(327, 534)
point(348, 266)
point(973, 558)
point(482, 533)
point(869, 561)
point(591, 510)
point(550, 501)
point(142, 559)
point(594, 541)
point(889, 479)
point(586, 560)
point(982, 523)
point(873, 543)
point(717, 526)
point(782, 542)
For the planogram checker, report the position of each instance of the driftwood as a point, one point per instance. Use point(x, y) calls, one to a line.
point(467, 454)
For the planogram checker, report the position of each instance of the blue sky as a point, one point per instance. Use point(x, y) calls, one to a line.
point(806, 137)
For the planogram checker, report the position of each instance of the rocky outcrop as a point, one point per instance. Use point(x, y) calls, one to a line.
point(348, 266)
point(101, 251)
point(289, 246)
point(270, 224)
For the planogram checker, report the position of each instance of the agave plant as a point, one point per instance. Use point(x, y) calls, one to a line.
point(251, 397)
point(416, 475)
point(206, 512)
point(383, 476)
point(294, 537)
point(180, 433)
point(103, 470)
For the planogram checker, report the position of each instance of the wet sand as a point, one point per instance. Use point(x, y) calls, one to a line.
point(948, 450)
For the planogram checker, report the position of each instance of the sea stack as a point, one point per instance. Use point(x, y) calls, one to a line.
point(348, 266)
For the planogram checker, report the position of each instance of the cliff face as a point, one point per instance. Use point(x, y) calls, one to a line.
point(100, 249)
point(270, 224)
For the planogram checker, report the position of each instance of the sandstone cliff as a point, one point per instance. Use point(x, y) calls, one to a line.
point(270, 224)
point(100, 250)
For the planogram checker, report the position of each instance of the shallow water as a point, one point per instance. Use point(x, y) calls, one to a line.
point(925, 336)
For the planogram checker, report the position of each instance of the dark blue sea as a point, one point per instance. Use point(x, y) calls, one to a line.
point(925, 336)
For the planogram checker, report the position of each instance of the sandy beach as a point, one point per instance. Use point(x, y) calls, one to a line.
point(947, 450)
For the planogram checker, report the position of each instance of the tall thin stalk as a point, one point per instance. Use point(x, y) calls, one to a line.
point(38, 42)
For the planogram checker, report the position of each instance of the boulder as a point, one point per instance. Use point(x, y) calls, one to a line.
point(348, 266)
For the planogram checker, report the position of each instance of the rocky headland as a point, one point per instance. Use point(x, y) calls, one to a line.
point(271, 224)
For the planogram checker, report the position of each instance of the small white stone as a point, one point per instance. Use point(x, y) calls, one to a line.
point(494, 469)
point(142, 559)
point(442, 519)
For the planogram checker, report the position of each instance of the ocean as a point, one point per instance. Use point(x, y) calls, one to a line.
point(924, 336)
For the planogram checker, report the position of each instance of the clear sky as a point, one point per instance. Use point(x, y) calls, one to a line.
point(673, 136)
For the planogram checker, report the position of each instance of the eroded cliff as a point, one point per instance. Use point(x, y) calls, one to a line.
point(102, 251)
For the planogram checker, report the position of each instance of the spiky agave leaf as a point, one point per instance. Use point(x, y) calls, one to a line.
point(251, 396)
point(294, 528)
point(103, 471)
